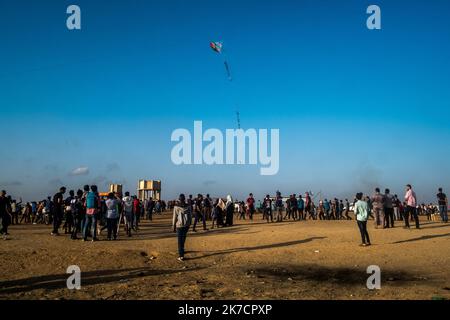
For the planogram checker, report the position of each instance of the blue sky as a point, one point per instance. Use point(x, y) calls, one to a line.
point(355, 108)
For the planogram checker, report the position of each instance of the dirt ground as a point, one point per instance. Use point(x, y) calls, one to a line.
point(251, 260)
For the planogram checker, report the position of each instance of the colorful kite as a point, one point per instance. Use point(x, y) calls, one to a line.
point(217, 47)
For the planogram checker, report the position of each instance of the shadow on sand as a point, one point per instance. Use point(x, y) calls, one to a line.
point(423, 238)
point(332, 275)
point(268, 246)
point(58, 281)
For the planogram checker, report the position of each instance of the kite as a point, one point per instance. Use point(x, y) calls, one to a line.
point(218, 47)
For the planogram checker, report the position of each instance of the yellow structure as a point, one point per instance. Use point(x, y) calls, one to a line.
point(115, 188)
point(149, 188)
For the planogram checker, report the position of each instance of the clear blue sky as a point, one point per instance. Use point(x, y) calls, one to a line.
point(355, 108)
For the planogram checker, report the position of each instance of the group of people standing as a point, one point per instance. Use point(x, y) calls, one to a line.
point(204, 208)
point(383, 208)
point(201, 208)
point(85, 213)
point(88, 213)
point(302, 208)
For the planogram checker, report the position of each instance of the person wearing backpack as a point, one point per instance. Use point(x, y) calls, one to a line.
point(90, 219)
point(181, 221)
point(362, 214)
point(128, 212)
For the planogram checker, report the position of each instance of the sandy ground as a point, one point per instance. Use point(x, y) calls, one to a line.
point(251, 260)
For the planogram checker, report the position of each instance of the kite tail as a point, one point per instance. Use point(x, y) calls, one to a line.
point(227, 68)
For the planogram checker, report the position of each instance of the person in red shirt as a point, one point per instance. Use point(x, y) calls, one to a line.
point(136, 212)
point(250, 206)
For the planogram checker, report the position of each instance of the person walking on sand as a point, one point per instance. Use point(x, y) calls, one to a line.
point(378, 208)
point(369, 203)
point(321, 211)
point(443, 205)
point(411, 203)
point(199, 214)
point(250, 206)
point(181, 221)
point(361, 210)
point(216, 215)
point(347, 210)
point(229, 211)
point(333, 210)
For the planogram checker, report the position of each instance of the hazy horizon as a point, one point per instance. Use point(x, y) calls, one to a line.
point(356, 108)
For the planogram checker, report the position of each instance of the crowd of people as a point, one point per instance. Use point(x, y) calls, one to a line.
point(86, 214)
point(83, 214)
point(384, 208)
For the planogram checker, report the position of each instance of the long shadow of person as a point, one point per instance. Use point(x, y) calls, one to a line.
point(267, 246)
point(58, 281)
